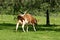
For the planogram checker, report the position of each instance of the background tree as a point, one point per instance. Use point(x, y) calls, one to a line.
point(34, 6)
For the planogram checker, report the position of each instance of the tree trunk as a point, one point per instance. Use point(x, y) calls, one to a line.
point(47, 18)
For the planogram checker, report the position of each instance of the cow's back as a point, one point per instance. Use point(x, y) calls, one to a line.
point(30, 18)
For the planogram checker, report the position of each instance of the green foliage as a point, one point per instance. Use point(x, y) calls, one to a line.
point(14, 6)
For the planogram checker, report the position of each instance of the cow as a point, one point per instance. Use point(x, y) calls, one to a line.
point(24, 19)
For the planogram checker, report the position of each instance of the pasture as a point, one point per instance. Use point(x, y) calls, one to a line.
point(8, 25)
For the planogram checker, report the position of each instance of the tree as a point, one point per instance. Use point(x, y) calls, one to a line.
point(47, 18)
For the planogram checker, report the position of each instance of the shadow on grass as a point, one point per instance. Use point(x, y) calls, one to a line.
point(52, 27)
point(43, 27)
point(9, 26)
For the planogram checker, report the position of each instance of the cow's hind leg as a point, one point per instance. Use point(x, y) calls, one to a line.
point(34, 27)
point(17, 26)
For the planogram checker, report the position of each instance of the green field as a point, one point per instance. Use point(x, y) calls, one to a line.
point(8, 24)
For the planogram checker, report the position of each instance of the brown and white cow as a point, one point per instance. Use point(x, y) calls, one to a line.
point(26, 19)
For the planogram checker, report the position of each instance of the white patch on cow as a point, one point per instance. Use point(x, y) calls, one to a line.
point(20, 21)
point(26, 21)
point(22, 14)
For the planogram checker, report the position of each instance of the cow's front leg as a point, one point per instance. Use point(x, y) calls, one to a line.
point(34, 27)
point(23, 26)
point(27, 29)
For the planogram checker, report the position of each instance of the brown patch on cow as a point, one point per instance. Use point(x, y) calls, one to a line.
point(19, 17)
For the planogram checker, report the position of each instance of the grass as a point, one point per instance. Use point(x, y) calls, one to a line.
point(7, 29)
